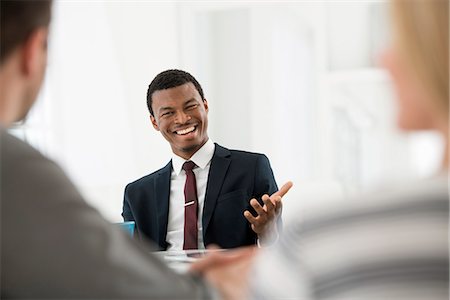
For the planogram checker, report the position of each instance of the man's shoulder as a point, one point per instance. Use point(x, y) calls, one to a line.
point(32, 177)
point(239, 153)
point(145, 180)
point(17, 154)
point(12, 145)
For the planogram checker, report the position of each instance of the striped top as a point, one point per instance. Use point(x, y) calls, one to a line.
point(387, 245)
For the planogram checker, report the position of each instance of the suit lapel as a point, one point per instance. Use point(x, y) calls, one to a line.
point(162, 192)
point(219, 166)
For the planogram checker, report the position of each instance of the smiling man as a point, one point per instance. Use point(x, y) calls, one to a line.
point(204, 195)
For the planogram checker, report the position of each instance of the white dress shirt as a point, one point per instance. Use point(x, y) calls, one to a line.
point(175, 227)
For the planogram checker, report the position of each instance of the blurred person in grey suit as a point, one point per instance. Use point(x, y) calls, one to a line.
point(392, 244)
point(53, 244)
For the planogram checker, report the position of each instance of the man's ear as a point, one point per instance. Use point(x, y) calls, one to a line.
point(155, 125)
point(205, 103)
point(34, 52)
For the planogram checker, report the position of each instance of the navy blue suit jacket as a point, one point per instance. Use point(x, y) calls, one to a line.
point(234, 178)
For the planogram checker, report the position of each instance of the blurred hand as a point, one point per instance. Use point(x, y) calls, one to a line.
point(268, 213)
point(227, 271)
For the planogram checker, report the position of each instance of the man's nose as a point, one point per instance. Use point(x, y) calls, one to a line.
point(182, 117)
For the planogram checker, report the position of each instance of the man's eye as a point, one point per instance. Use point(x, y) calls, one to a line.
point(166, 114)
point(192, 106)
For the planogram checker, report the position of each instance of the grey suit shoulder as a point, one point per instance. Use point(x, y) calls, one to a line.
point(53, 244)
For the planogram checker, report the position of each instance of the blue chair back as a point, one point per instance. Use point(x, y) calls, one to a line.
point(128, 227)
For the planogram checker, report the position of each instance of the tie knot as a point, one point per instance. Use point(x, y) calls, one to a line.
point(189, 165)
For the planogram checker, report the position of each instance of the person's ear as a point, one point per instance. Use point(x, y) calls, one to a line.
point(205, 103)
point(34, 52)
point(153, 120)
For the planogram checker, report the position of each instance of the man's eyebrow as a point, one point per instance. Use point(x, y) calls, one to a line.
point(187, 102)
point(165, 108)
point(190, 101)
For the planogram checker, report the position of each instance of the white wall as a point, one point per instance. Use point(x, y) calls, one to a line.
point(103, 56)
point(297, 81)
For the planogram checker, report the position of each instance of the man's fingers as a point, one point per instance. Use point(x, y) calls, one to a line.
point(277, 203)
point(268, 203)
point(284, 189)
point(258, 208)
point(279, 207)
point(248, 215)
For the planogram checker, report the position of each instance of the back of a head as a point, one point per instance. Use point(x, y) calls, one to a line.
point(170, 79)
point(422, 35)
point(18, 19)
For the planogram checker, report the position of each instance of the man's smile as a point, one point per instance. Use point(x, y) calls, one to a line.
point(186, 130)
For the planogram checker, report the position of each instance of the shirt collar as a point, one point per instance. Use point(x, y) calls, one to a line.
point(201, 158)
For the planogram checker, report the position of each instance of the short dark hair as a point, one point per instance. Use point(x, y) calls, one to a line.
point(18, 19)
point(170, 79)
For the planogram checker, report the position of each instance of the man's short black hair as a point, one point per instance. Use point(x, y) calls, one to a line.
point(170, 79)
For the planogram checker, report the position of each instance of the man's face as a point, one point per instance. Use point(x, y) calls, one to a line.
point(181, 116)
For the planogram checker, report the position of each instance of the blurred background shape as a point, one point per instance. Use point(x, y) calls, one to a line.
point(299, 82)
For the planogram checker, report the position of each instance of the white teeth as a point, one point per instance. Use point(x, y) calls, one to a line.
point(186, 131)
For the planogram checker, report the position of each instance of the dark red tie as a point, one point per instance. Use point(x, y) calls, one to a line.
point(190, 208)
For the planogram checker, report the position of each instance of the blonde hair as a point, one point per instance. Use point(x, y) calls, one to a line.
point(421, 29)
